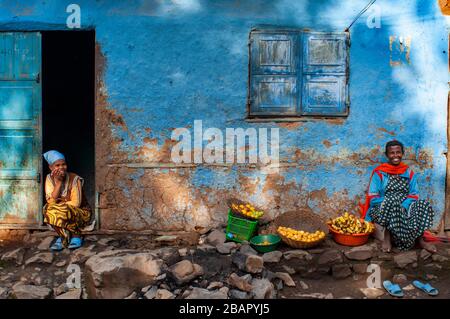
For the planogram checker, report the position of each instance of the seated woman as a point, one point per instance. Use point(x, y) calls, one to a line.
point(67, 210)
point(393, 203)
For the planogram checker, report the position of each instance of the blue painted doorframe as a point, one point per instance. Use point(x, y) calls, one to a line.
point(20, 130)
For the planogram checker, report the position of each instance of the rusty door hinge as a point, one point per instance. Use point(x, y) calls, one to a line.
point(38, 177)
point(38, 78)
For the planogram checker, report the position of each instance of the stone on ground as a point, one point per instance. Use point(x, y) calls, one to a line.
point(425, 254)
point(341, 271)
point(289, 270)
point(105, 241)
point(254, 264)
point(71, 294)
point(45, 244)
point(15, 256)
point(359, 253)
point(185, 271)
point(287, 279)
point(330, 257)
point(304, 285)
point(242, 283)
point(372, 293)
point(21, 291)
point(216, 237)
point(82, 254)
point(116, 274)
point(215, 285)
point(132, 296)
point(226, 248)
point(249, 263)
point(151, 293)
point(63, 288)
point(409, 287)
point(40, 258)
point(246, 249)
point(399, 279)
point(169, 255)
point(297, 253)
point(183, 252)
point(272, 257)
point(316, 295)
point(206, 248)
point(439, 258)
point(164, 294)
point(359, 268)
point(3, 293)
point(404, 259)
point(200, 293)
point(237, 294)
point(262, 289)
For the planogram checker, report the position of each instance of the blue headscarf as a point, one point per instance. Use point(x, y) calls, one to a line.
point(53, 156)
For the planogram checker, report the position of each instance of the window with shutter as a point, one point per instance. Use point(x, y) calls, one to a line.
point(298, 73)
point(274, 73)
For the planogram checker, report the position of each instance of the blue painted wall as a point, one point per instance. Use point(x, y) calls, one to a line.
point(169, 63)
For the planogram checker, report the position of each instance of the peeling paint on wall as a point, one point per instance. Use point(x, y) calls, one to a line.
point(400, 48)
point(444, 5)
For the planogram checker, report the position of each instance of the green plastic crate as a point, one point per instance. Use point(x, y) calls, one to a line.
point(239, 229)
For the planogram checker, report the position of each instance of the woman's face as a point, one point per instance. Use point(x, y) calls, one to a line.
point(59, 164)
point(394, 154)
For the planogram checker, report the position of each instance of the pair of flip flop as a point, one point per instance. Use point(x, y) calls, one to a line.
point(75, 242)
point(396, 291)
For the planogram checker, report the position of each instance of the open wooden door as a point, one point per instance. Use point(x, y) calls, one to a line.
point(20, 130)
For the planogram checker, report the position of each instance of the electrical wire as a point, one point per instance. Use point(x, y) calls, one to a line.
point(361, 13)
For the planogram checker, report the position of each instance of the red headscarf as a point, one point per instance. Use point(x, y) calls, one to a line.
point(386, 168)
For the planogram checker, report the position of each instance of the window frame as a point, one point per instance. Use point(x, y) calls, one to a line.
point(340, 72)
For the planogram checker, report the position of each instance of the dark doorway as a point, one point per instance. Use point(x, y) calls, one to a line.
point(68, 106)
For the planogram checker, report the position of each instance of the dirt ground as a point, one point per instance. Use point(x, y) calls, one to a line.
point(219, 266)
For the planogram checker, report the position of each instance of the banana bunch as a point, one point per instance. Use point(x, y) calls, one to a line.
point(247, 210)
point(300, 235)
point(349, 224)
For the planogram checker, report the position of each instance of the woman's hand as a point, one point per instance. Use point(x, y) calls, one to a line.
point(58, 175)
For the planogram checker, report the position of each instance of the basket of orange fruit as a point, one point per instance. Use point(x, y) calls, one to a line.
point(244, 210)
point(299, 238)
point(300, 228)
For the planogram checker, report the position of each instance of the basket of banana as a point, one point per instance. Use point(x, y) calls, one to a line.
point(349, 230)
point(299, 238)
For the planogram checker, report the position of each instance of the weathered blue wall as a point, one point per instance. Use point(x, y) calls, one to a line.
point(164, 64)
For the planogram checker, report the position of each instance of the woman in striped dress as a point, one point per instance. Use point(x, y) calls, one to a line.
point(67, 210)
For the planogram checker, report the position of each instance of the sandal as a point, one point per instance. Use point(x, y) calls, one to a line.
point(393, 289)
point(75, 242)
point(427, 288)
point(57, 245)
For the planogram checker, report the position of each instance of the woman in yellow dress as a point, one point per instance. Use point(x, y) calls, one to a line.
point(67, 210)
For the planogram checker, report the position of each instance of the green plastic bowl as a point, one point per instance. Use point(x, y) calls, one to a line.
point(256, 242)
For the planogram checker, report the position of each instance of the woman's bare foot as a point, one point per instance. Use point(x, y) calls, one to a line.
point(427, 246)
point(386, 246)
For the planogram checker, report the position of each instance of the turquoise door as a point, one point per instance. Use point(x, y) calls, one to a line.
point(20, 130)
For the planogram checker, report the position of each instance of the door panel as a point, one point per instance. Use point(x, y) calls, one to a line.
point(20, 130)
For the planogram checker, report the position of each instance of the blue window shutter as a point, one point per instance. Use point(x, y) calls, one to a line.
point(274, 77)
point(325, 74)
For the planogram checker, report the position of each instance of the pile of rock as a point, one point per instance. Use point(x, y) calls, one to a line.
point(108, 271)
